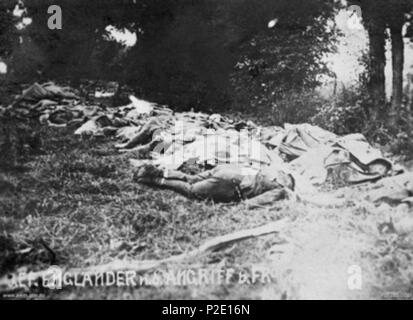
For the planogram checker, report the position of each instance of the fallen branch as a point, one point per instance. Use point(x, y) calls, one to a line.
point(7, 283)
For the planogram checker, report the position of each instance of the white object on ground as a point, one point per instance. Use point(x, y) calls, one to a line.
point(103, 94)
point(88, 128)
point(139, 108)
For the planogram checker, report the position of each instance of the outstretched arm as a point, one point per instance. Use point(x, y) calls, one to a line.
point(267, 198)
point(178, 175)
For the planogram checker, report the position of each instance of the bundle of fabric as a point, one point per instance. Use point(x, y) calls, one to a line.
point(309, 154)
point(317, 154)
point(173, 141)
point(297, 140)
point(391, 190)
point(52, 104)
point(213, 149)
point(222, 150)
point(124, 120)
point(47, 91)
point(102, 125)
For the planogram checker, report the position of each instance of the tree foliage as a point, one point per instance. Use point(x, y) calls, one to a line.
point(6, 31)
point(187, 50)
point(287, 58)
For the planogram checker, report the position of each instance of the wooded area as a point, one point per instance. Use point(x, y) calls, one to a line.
point(211, 54)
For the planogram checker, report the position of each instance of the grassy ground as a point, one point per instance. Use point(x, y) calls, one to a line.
point(74, 204)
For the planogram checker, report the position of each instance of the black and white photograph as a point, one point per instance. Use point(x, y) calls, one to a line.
point(224, 151)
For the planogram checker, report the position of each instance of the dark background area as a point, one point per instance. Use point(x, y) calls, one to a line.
point(202, 54)
point(220, 56)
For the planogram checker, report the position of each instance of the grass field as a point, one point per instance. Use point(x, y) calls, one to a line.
point(74, 204)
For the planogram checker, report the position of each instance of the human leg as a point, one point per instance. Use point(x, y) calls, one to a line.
point(144, 135)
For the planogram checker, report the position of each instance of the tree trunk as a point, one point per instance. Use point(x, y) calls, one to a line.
point(410, 92)
point(398, 64)
point(377, 63)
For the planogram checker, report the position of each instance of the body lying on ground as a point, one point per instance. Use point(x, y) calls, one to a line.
point(253, 154)
point(392, 190)
point(224, 183)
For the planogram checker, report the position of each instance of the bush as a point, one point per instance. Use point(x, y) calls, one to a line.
point(288, 107)
point(18, 140)
point(403, 142)
point(346, 113)
point(340, 119)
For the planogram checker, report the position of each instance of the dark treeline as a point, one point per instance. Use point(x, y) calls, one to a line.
point(208, 54)
point(201, 54)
